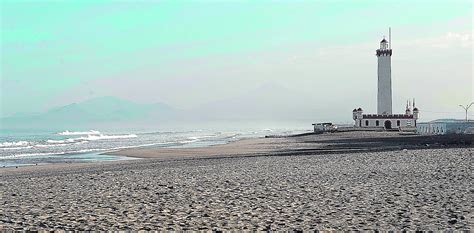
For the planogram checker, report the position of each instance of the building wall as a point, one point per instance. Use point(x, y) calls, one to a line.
point(431, 128)
point(373, 123)
point(443, 127)
point(384, 95)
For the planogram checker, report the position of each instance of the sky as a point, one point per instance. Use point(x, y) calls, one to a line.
point(190, 53)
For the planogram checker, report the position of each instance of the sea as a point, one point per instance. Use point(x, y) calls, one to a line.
point(35, 147)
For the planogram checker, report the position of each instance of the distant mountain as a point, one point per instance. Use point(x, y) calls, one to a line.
point(268, 102)
point(99, 110)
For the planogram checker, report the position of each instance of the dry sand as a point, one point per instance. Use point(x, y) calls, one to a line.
point(334, 181)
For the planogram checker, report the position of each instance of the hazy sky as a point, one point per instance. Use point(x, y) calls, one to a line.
point(188, 53)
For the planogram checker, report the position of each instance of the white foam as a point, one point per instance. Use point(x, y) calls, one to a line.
point(58, 143)
point(15, 148)
point(49, 153)
point(69, 140)
point(52, 145)
point(106, 137)
point(90, 132)
point(187, 141)
point(13, 144)
point(30, 155)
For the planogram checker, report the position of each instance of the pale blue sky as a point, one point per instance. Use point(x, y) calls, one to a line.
point(187, 53)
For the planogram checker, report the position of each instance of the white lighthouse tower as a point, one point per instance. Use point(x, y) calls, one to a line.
point(384, 117)
point(384, 71)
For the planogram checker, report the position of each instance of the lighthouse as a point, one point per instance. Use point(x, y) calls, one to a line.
point(385, 118)
point(384, 73)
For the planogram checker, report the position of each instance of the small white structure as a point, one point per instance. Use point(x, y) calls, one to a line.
point(324, 127)
point(384, 117)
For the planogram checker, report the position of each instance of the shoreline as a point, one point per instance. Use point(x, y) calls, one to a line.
point(308, 143)
point(289, 145)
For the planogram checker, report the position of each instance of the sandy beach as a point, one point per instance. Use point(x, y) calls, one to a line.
point(344, 181)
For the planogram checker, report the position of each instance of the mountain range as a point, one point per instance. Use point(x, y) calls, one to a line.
point(269, 102)
point(100, 110)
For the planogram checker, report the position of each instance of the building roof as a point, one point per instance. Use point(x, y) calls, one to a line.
point(388, 116)
point(383, 41)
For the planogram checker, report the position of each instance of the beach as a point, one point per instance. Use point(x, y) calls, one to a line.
point(342, 181)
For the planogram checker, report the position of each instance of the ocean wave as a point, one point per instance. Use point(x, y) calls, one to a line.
point(231, 136)
point(69, 140)
point(106, 137)
point(90, 132)
point(13, 144)
point(30, 155)
point(50, 153)
point(201, 137)
point(187, 141)
point(15, 148)
point(52, 145)
point(16, 156)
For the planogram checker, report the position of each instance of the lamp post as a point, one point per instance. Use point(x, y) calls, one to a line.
point(466, 108)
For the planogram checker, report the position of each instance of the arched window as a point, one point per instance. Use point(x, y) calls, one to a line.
point(398, 122)
point(376, 123)
point(366, 123)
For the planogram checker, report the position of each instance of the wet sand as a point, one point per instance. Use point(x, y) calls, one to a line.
point(334, 181)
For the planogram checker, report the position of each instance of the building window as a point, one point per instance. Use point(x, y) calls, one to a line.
point(366, 123)
point(398, 123)
point(376, 123)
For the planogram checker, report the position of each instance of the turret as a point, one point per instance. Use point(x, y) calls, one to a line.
point(359, 113)
point(416, 112)
point(407, 109)
point(357, 116)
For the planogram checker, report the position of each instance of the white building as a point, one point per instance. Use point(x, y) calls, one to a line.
point(384, 117)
